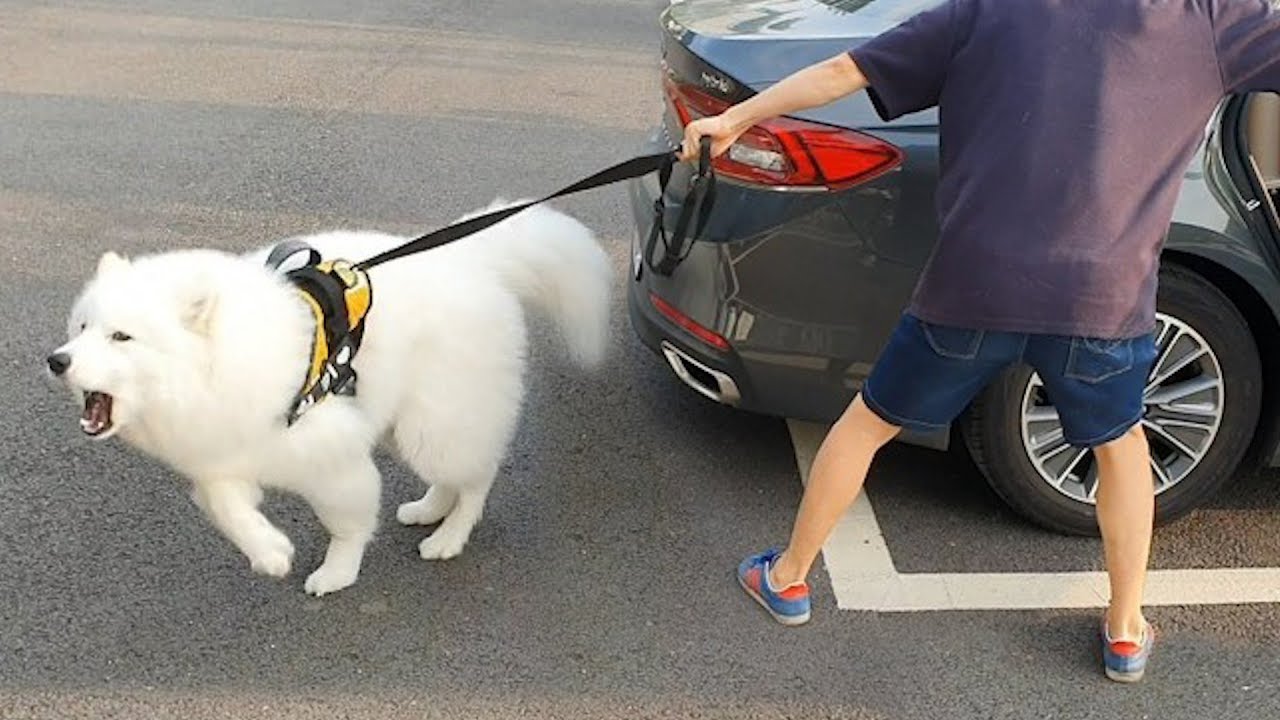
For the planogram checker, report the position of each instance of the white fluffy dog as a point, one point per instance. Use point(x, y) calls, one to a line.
point(195, 356)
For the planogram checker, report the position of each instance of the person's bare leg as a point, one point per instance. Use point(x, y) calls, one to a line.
point(834, 482)
point(1126, 510)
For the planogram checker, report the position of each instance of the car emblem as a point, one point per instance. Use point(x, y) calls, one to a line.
point(717, 82)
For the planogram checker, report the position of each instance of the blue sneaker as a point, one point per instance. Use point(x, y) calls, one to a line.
point(1125, 660)
point(789, 606)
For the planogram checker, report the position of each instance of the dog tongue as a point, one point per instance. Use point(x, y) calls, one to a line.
point(97, 413)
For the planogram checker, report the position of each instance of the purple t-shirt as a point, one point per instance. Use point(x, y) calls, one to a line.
point(1066, 128)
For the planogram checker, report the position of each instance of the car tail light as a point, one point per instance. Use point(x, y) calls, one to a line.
point(674, 315)
point(785, 152)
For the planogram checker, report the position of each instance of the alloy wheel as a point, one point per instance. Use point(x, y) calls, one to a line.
point(1183, 406)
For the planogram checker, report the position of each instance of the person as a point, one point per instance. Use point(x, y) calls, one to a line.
point(1065, 129)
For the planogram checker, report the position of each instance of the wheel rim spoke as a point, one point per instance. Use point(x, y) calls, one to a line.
point(1091, 483)
point(1043, 414)
point(1162, 478)
point(1078, 454)
point(1166, 366)
point(1171, 395)
point(1162, 430)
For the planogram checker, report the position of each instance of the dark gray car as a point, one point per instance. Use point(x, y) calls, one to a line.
point(821, 224)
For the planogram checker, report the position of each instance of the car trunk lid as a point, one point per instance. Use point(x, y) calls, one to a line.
point(738, 47)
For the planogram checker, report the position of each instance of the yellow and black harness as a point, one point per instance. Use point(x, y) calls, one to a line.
point(339, 296)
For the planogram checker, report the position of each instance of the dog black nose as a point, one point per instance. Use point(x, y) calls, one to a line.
point(59, 362)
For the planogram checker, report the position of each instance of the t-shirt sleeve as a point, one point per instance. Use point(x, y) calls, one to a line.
point(1247, 39)
point(906, 65)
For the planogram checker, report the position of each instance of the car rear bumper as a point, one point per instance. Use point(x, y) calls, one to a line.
point(760, 387)
point(773, 365)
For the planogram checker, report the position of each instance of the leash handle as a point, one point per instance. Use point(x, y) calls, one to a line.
point(287, 249)
point(697, 204)
point(626, 170)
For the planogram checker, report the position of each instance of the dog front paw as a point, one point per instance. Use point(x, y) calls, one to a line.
point(442, 545)
point(329, 578)
point(273, 560)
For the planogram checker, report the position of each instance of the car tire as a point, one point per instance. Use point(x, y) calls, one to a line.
point(993, 427)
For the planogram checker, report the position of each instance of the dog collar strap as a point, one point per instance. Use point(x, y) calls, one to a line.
point(339, 297)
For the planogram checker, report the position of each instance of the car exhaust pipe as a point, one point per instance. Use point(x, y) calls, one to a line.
point(707, 381)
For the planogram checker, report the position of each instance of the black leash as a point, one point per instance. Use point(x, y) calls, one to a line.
point(699, 200)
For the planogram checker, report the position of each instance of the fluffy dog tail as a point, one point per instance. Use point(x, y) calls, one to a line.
point(552, 261)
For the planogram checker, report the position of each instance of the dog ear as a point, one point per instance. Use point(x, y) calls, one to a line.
point(111, 262)
point(201, 309)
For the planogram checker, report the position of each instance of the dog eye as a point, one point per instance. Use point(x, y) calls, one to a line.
point(121, 337)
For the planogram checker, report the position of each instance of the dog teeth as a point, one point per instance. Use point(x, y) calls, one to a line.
point(97, 413)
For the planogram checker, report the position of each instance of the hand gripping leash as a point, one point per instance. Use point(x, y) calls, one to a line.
point(697, 203)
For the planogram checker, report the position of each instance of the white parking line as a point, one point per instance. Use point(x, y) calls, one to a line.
point(863, 576)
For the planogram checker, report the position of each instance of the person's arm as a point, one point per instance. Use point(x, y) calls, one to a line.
point(819, 84)
point(904, 68)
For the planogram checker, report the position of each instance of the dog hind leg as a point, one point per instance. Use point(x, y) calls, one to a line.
point(448, 540)
point(347, 506)
point(456, 420)
point(430, 509)
point(462, 464)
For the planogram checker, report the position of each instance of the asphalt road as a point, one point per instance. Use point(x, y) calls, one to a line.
point(599, 583)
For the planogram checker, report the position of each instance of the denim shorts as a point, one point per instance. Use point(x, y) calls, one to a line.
point(929, 373)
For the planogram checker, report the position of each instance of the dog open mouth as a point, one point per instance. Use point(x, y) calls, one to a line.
point(96, 419)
